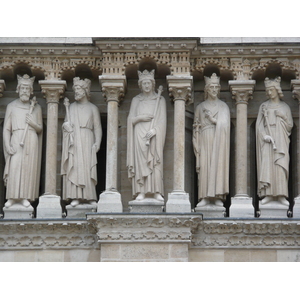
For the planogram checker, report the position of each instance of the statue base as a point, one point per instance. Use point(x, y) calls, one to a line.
point(241, 207)
point(147, 205)
point(211, 211)
point(80, 210)
point(49, 207)
point(110, 202)
point(296, 208)
point(273, 209)
point(178, 202)
point(18, 211)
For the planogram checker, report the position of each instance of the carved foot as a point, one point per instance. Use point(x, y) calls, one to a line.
point(266, 200)
point(25, 203)
point(203, 202)
point(9, 203)
point(219, 202)
point(141, 196)
point(93, 202)
point(158, 196)
point(74, 203)
point(283, 201)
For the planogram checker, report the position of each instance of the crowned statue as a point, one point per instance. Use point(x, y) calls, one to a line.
point(82, 134)
point(273, 127)
point(146, 132)
point(22, 141)
point(211, 140)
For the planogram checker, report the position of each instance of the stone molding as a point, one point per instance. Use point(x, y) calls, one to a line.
point(113, 87)
point(295, 86)
point(144, 228)
point(180, 88)
point(46, 235)
point(53, 90)
point(248, 235)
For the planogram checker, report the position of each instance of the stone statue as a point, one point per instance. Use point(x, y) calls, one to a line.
point(211, 140)
point(82, 134)
point(22, 140)
point(273, 128)
point(146, 132)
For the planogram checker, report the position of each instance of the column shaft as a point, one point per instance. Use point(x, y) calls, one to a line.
point(112, 145)
point(179, 145)
point(241, 150)
point(51, 150)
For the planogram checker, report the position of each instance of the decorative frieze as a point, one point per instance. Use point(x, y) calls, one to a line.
point(248, 235)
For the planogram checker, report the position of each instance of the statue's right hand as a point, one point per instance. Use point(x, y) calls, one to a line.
point(268, 139)
point(146, 118)
point(11, 150)
point(68, 127)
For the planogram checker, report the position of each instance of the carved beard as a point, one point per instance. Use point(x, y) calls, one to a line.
point(24, 97)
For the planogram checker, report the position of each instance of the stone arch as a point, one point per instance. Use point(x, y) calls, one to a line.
point(273, 68)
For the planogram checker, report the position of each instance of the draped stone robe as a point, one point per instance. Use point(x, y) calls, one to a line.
point(211, 147)
point(273, 166)
point(79, 161)
point(22, 169)
point(145, 163)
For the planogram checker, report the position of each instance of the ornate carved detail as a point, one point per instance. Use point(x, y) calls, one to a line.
point(243, 234)
point(2, 87)
point(52, 90)
point(145, 228)
point(47, 235)
point(180, 88)
point(113, 93)
point(242, 90)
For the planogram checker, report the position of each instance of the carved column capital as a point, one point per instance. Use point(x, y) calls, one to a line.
point(53, 90)
point(2, 87)
point(295, 86)
point(241, 90)
point(113, 87)
point(180, 88)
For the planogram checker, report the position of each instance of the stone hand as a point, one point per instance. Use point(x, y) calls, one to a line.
point(278, 113)
point(68, 127)
point(10, 150)
point(207, 113)
point(145, 118)
point(268, 138)
point(150, 133)
point(30, 121)
point(96, 147)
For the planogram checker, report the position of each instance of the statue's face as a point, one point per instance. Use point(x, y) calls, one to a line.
point(79, 92)
point(213, 90)
point(146, 85)
point(24, 92)
point(272, 92)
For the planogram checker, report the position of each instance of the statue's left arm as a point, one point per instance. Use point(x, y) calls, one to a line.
point(97, 129)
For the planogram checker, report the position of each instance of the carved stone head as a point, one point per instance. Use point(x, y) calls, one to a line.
point(146, 75)
point(274, 83)
point(25, 80)
point(84, 84)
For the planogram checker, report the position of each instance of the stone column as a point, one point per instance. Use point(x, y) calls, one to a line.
point(180, 88)
point(241, 203)
point(49, 203)
point(113, 87)
point(2, 87)
point(295, 86)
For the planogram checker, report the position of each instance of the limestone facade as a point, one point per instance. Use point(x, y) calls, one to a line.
point(174, 232)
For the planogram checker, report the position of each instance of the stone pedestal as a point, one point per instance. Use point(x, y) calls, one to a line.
point(211, 211)
point(18, 211)
point(296, 208)
point(273, 210)
point(49, 207)
point(178, 203)
point(148, 205)
point(241, 207)
point(110, 202)
point(80, 210)
point(180, 88)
